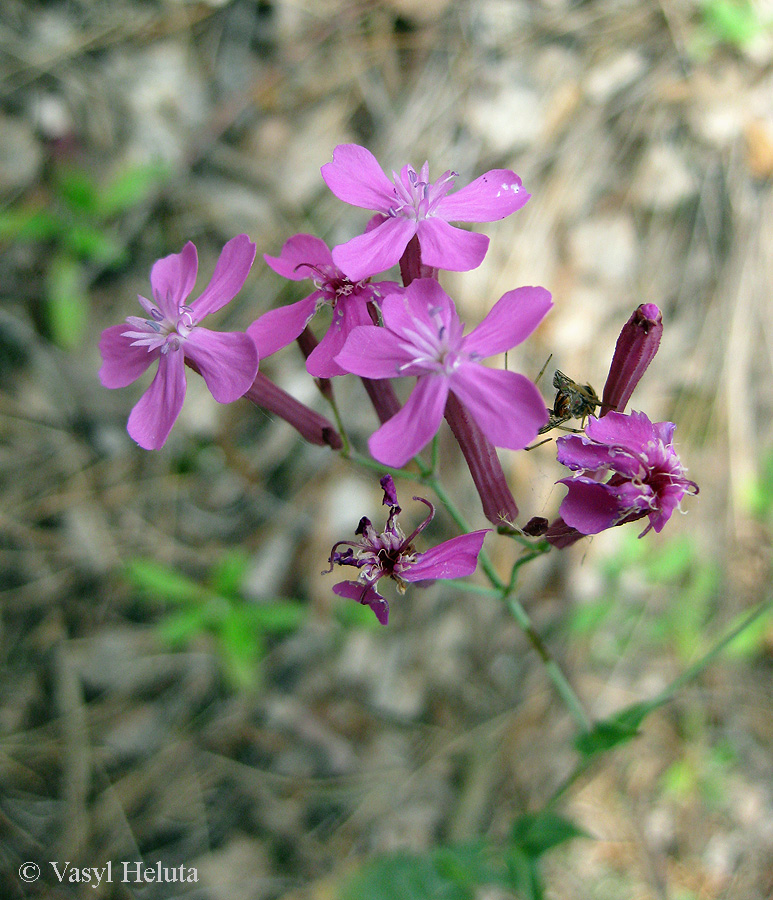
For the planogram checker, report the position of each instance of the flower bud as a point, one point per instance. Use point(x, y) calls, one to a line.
point(635, 349)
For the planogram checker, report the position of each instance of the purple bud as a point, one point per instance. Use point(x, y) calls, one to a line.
point(309, 423)
point(635, 349)
point(411, 266)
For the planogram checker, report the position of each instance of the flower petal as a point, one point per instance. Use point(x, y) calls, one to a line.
point(279, 327)
point(231, 271)
point(349, 313)
point(172, 279)
point(451, 559)
point(300, 254)
point(410, 430)
point(356, 177)
point(590, 508)
point(446, 247)
point(365, 594)
point(491, 196)
point(227, 361)
point(579, 452)
point(633, 432)
point(121, 362)
point(508, 407)
point(509, 322)
point(152, 418)
point(422, 301)
point(375, 250)
point(374, 352)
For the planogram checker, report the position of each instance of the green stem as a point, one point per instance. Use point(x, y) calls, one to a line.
point(668, 692)
point(427, 477)
point(552, 668)
point(347, 447)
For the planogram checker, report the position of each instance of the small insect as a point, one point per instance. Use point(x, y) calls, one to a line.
point(572, 401)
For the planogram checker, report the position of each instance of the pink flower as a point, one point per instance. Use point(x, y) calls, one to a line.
point(411, 205)
point(228, 361)
point(625, 468)
point(423, 337)
point(392, 554)
point(305, 256)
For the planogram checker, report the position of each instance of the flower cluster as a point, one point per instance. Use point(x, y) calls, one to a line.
point(623, 467)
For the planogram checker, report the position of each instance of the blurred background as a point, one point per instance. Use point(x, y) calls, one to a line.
point(177, 680)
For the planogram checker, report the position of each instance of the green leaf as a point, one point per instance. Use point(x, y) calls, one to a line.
point(753, 640)
point(524, 877)
point(275, 616)
point(734, 22)
point(77, 190)
point(67, 305)
point(618, 729)
point(469, 865)
point(179, 628)
point(536, 833)
point(92, 243)
point(29, 225)
point(672, 561)
point(403, 876)
point(228, 573)
point(128, 189)
point(163, 583)
point(242, 648)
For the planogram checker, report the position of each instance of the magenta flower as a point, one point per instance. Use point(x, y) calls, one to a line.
point(411, 205)
point(644, 476)
point(392, 554)
point(306, 256)
point(423, 337)
point(170, 333)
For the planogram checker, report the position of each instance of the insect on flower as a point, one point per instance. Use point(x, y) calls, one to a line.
point(572, 401)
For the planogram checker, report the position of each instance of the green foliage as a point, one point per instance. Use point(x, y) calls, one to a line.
point(759, 492)
point(240, 629)
point(618, 729)
point(733, 22)
point(680, 589)
point(456, 872)
point(702, 770)
point(79, 228)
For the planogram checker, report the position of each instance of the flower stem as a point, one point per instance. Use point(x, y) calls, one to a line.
point(562, 686)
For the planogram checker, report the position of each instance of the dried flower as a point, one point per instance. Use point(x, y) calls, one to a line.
point(392, 554)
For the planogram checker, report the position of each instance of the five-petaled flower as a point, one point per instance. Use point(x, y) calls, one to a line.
point(423, 336)
point(305, 256)
point(411, 205)
point(170, 332)
point(644, 476)
point(392, 554)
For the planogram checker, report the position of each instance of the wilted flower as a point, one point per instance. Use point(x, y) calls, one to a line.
point(423, 336)
point(228, 361)
point(625, 468)
point(305, 256)
point(390, 553)
point(411, 205)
